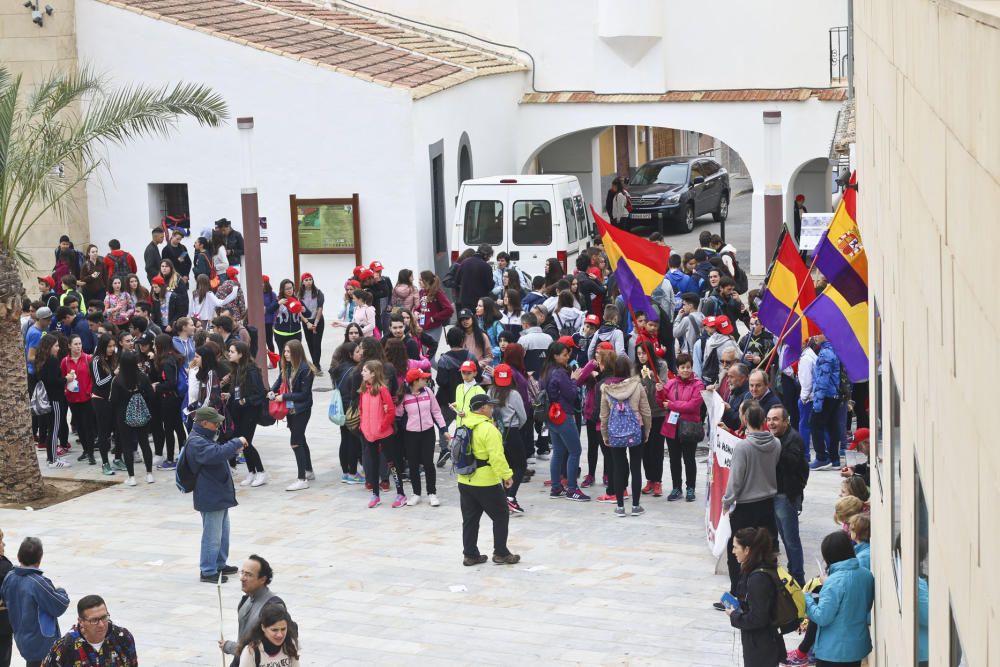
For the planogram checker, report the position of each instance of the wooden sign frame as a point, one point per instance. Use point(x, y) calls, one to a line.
point(295, 203)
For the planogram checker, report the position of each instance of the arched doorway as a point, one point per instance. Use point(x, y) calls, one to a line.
point(464, 159)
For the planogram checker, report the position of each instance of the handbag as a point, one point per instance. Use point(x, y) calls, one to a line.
point(687, 431)
point(336, 410)
point(278, 409)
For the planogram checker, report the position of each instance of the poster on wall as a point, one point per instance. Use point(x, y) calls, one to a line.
point(262, 221)
point(813, 227)
point(325, 226)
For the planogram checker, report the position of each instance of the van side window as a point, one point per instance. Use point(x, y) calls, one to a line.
point(483, 222)
point(581, 217)
point(571, 229)
point(532, 222)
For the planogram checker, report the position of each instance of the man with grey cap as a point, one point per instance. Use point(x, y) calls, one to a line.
point(483, 490)
point(214, 492)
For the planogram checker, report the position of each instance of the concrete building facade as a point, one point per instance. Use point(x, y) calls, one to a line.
point(928, 149)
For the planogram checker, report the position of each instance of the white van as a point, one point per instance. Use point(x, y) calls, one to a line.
point(532, 218)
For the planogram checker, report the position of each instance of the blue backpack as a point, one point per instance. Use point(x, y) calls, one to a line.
point(462, 458)
point(624, 427)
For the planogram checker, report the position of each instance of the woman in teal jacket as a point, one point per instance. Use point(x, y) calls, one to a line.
point(842, 611)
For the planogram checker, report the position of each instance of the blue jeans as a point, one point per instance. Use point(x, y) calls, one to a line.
point(842, 438)
point(214, 541)
point(565, 459)
point(786, 512)
point(805, 412)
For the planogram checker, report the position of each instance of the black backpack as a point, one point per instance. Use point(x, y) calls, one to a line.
point(739, 275)
point(784, 613)
point(120, 268)
point(564, 328)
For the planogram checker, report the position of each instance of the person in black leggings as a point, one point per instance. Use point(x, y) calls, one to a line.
point(167, 368)
point(510, 417)
point(129, 384)
point(625, 388)
point(102, 369)
point(294, 387)
point(49, 375)
point(244, 396)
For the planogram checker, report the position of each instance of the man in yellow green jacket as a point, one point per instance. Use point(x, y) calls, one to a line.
point(483, 490)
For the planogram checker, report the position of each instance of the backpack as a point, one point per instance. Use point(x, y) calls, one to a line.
point(137, 412)
point(628, 200)
point(789, 603)
point(464, 462)
point(185, 476)
point(40, 403)
point(254, 337)
point(739, 275)
point(540, 406)
point(120, 267)
point(624, 427)
point(564, 329)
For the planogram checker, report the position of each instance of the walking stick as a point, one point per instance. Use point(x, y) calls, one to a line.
point(222, 637)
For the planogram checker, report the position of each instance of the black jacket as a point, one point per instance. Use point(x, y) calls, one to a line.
point(589, 288)
point(234, 247)
point(300, 390)
point(5, 567)
point(151, 258)
point(475, 280)
point(793, 468)
point(762, 643)
point(121, 395)
point(180, 257)
point(731, 417)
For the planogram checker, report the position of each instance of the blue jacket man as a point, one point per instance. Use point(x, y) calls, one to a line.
point(33, 603)
point(826, 375)
point(842, 613)
point(73, 323)
point(214, 492)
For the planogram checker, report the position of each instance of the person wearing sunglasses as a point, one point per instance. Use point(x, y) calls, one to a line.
point(94, 641)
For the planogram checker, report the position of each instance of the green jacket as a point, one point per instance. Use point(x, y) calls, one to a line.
point(487, 445)
point(462, 398)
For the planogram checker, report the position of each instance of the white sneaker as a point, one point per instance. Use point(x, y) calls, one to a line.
point(157, 460)
point(59, 463)
point(248, 480)
point(298, 485)
point(259, 479)
point(149, 478)
point(130, 481)
point(532, 461)
point(413, 500)
point(433, 500)
point(542, 457)
point(310, 475)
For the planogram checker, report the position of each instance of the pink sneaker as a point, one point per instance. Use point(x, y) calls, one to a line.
point(796, 658)
point(399, 501)
point(374, 502)
point(62, 451)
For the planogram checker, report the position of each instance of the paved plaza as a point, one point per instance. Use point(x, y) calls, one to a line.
point(387, 586)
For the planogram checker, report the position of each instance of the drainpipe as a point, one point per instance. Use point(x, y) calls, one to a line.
point(850, 49)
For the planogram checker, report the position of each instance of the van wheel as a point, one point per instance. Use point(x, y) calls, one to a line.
point(687, 224)
point(722, 211)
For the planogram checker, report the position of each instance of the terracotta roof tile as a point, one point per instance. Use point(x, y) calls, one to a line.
point(741, 95)
point(364, 44)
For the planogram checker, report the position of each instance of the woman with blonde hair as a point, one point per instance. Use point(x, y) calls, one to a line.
point(295, 384)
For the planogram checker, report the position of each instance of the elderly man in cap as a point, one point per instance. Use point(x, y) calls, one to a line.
point(214, 492)
point(483, 490)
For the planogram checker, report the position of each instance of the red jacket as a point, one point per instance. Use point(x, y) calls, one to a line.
point(83, 377)
point(433, 312)
point(377, 414)
point(109, 263)
point(685, 398)
point(658, 350)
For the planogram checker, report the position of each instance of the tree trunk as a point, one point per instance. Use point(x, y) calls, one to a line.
point(20, 477)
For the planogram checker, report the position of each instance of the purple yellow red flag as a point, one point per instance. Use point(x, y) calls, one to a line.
point(840, 255)
point(638, 264)
point(788, 291)
point(845, 325)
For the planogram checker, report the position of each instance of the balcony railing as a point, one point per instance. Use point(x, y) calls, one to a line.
point(838, 56)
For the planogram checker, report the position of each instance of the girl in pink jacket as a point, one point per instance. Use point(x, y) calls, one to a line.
point(681, 397)
point(377, 413)
point(422, 414)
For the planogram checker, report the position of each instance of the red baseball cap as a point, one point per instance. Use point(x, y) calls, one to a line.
point(860, 435)
point(158, 280)
point(365, 274)
point(720, 323)
point(606, 345)
point(353, 283)
point(376, 266)
point(48, 280)
point(593, 320)
point(232, 272)
point(305, 275)
point(567, 341)
point(294, 306)
point(266, 278)
point(415, 374)
point(468, 367)
point(503, 375)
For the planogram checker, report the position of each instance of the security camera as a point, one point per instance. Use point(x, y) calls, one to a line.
point(36, 17)
point(28, 4)
point(49, 10)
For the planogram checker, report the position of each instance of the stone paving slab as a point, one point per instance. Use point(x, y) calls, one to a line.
point(376, 586)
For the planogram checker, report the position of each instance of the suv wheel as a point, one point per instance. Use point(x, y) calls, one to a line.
point(687, 224)
point(722, 211)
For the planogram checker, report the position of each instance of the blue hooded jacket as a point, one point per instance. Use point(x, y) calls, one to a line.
point(842, 613)
point(34, 604)
point(214, 490)
point(826, 376)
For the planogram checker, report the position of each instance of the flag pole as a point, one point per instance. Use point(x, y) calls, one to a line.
point(787, 327)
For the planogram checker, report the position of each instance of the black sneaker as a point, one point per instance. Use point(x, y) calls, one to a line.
point(443, 457)
point(83, 457)
point(230, 569)
point(91, 460)
point(469, 561)
point(718, 606)
point(213, 579)
point(509, 559)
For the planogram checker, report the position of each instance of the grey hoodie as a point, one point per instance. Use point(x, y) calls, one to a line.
point(753, 471)
point(632, 391)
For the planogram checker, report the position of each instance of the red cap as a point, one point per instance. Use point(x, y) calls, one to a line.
point(376, 266)
point(305, 275)
point(800, 198)
point(606, 345)
point(592, 319)
point(415, 374)
point(265, 278)
point(468, 367)
point(158, 280)
point(354, 284)
point(720, 323)
point(567, 341)
point(294, 306)
point(503, 375)
point(232, 272)
point(48, 280)
point(357, 270)
point(365, 274)
point(860, 435)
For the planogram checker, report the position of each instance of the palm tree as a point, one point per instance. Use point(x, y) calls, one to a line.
point(50, 142)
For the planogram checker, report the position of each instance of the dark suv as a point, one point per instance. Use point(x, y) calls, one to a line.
point(674, 191)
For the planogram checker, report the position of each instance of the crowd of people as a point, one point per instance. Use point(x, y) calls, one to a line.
point(526, 365)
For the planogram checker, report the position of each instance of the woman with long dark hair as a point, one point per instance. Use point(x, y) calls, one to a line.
point(553, 274)
point(757, 595)
point(270, 309)
point(404, 294)
point(345, 360)
point(591, 377)
point(513, 356)
point(434, 309)
point(353, 333)
point(129, 391)
point(168, 368)
point(102, 370)
point(476, 341)
point(561, 390)
point(204, 380)
point(512, 280)
point(48, 373)
point(119, 305)
point(273, 642)
point(135, 288)
point(244, 399)
point(75, 367)
point(652, 372)
point(488, 318)
point(288, 316)
point(512, 311)
point(297, 376)
point(94, 276)
point(312, 298)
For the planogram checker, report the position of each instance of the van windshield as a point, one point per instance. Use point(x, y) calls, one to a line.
point(483, 222)
point(663, 174)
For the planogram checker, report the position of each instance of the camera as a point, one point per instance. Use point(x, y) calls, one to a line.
point(36, 17)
